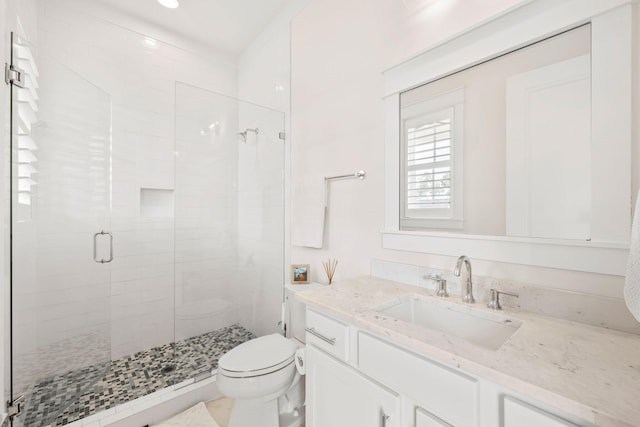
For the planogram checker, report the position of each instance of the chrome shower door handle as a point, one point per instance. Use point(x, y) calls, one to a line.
point(95, 247)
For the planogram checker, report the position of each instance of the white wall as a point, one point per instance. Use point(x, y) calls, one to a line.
point(339, 50)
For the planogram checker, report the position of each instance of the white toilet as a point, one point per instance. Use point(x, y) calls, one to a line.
point(261, 376)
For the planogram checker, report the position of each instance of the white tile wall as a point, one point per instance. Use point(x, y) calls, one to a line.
point(260, 219)
point(206, 227)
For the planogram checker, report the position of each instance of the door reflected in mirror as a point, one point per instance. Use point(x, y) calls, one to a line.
point(512, 155)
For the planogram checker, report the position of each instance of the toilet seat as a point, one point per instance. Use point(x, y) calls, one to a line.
point(257, 357)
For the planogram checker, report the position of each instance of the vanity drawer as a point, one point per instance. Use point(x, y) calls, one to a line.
point(445, 393)
point(328, 334)
point(521, 414)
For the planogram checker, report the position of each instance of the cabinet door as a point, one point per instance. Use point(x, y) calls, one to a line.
point(426, 419)
point(338, 396)
point(450, 395)
point(520, 414)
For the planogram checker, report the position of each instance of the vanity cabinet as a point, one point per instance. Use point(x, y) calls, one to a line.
point(339, 396)
point(521, 414)
point(447, 394)
point(355, 378)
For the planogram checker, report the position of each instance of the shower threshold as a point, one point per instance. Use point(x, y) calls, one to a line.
point(130, 378)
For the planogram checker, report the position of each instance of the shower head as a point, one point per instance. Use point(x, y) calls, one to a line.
point(243, 135)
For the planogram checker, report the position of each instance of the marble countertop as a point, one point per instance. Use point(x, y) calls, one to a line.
point(590, 372)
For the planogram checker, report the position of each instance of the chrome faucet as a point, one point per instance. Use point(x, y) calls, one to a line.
point(467, 292)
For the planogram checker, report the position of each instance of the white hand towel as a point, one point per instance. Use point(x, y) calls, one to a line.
point(632, 278)
point(309, 205)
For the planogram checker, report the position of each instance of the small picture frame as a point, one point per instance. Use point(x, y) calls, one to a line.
point(300, 274)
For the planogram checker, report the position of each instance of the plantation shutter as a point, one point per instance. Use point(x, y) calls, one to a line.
point(428, 163)
point(431, 162)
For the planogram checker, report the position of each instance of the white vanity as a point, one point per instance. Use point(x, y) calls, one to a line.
point(365, 367)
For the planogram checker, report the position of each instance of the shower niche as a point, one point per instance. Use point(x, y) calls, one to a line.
point(156, 203)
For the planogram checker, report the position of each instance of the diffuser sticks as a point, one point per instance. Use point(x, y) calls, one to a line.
point(330, 268)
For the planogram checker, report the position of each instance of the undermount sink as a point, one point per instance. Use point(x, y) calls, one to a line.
point(484, 329)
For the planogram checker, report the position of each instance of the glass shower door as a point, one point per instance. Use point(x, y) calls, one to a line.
point(61, 244)
point(229, 225)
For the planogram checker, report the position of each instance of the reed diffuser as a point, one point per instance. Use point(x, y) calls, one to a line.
point(330, 268)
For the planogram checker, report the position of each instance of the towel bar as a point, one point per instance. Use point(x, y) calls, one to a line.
point(358, 174)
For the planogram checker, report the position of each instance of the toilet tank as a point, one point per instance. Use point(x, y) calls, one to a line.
point(295, 317)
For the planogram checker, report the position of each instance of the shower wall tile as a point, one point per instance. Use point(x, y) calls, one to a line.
point(141, 272)
point(130, 311)
point(151, 331)
point(148, 286)
point(155, 162)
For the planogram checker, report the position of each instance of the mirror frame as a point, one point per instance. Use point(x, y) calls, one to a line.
point(527, 23)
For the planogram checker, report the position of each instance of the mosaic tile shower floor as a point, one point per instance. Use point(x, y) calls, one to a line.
point(128, 378)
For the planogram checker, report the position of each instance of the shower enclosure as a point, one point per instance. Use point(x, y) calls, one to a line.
point(134, 270)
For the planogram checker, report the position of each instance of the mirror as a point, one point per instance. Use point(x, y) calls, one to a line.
point(597, 183)
point(524, 121)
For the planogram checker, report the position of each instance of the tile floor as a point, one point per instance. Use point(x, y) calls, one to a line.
point(62, 399)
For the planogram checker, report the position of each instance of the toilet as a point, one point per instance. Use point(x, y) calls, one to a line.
point(262, 378)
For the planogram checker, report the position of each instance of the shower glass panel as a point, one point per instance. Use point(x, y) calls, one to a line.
point(61, 245)
point(229, 225)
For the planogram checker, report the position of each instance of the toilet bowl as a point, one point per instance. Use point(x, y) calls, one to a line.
point(260, 375)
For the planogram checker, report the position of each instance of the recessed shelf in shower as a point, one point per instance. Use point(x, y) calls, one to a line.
point(156, 203)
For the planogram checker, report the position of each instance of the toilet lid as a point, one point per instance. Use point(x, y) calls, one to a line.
point(258, 356)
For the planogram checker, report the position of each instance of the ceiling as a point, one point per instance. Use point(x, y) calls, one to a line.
point(226, 25)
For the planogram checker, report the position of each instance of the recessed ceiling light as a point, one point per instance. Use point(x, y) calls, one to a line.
point(171, 4)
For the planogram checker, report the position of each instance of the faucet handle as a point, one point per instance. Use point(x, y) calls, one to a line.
point(494, 300)
point(441, 291)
